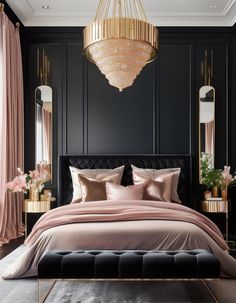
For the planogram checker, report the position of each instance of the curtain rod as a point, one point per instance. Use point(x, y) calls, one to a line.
point(2, 9)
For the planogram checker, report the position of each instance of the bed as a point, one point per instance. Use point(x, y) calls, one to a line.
point(65, 188)
point(122, 225)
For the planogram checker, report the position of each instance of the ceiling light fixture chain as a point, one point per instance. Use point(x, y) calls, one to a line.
point(120, 41)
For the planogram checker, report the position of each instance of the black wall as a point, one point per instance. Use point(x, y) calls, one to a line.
point(232, 104)
point(158, 114)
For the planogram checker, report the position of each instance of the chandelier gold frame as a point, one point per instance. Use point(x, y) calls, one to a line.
point(121, 20)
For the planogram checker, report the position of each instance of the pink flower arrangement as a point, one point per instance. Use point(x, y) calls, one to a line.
point(227, 178)
point(33, 180)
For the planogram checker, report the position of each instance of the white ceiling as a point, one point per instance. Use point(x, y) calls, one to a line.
point(159, 12)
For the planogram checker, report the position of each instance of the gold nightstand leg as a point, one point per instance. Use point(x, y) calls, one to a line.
point(227, 223)
point(25, 225)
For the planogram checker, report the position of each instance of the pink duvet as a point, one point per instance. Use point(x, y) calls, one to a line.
point(121, 225)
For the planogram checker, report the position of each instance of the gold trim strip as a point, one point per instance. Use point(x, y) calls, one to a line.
point(205, 66)
point(209, 76)
point(211, 293)
point(43, 66)
point(121, 28)
point(38, 63)
point(129, 279)
point(202, 69)
point(41, 299)
point(46, 69)
point(212, 63)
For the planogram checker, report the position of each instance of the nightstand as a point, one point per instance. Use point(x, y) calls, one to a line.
point(218, 206)
point(35, 207)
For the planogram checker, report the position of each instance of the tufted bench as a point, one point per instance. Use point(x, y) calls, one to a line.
point(129, 265)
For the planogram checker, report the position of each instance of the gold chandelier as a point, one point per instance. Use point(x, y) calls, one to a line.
point(120, 41)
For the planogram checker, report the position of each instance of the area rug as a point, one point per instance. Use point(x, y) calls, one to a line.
point(26, 290)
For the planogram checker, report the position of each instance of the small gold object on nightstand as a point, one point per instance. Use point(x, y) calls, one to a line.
point(47, 194)
point(31, 206)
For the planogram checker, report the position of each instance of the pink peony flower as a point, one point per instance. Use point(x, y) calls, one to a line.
point(35, 179)
point(34, 174)
point(227, 177)
point(18, 184)
point(20, 172)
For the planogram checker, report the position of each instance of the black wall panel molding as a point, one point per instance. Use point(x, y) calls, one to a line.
point(120, 122)
point(155, 107)
point(158, 114)
point(175, 98)
point(85, 106)
point(74, 135)
point(232, 103)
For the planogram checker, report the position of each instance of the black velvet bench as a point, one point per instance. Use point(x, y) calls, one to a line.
point(129, 265)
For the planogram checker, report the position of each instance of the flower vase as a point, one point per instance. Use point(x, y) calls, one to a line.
point(207, 194)
point(34, 194)
point(215, 192)
point(224, 194)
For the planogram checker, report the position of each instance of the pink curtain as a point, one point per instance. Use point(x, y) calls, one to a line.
point(11, 128)
point(47, 135)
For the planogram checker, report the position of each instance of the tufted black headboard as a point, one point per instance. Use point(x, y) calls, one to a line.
point(65, 189)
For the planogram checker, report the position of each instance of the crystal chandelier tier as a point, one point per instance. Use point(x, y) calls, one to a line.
point(120, 41)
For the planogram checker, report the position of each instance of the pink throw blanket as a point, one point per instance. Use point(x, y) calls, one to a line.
point(110, 211)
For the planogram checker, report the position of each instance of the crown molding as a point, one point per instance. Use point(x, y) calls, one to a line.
point(232, 14)
point(29, 17)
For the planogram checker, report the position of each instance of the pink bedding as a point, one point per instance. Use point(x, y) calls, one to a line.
point(121, 225)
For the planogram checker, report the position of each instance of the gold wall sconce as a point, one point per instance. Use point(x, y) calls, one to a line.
point(43, 66)
point(207, 67)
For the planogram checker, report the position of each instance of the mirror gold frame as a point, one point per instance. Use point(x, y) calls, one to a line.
point(44, 126)
point(206, 124)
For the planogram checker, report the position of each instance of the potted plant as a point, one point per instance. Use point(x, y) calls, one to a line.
point(210, 176)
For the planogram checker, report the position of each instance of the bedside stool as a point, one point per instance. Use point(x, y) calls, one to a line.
point(36, 207)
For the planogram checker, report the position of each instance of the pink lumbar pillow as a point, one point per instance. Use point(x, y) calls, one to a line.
point(119, 192)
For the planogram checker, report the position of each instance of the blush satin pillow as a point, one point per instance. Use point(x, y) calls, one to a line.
point(93, 190)
point(95, 174)
point(158, 189)
point(119, 192)
point(155, 173)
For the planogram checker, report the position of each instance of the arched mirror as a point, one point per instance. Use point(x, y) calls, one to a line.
point(43, 126)
point(207, 122)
